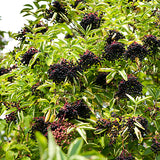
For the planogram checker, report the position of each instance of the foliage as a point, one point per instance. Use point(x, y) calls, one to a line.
point(83, 82)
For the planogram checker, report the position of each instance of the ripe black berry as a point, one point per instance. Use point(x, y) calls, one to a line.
point(60, 71)
point(39, 125)
point(91, 19)
point(87, 60)
point(136, 50)
point(113, 51)
point(82, 109)
point(114, 36)
point(67, 111)
point(101, 79)
point(28, 55)
point(125, 156)
point(131, 87)
point(155, 147)
point(151, 43)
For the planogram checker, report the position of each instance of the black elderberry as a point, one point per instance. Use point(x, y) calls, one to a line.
point(136, 50)
point(113, 51)
point(114, 36)
point(87, 60)
point(3, 71)
point(155, 147)
point(82, 109)
point(151, 43)
point(91, 19)
point(104, 124)
point(60, 71)
point(39, 125)
point(28, 55)
point(67, 111)
point(131, 87)
point(101, 79)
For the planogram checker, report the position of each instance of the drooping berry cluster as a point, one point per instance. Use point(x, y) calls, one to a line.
point(41, 24)
point(12, 117)
point(67, 111)
point(5, 71)
point(114, 36)
point(87, 60)
point(28, 55)
point(113, 51)
point(152, 43)
point(152, 112)
point(58, 8)
point(155, 147)
point(35, 91)
point(59, 130)
point(39, 125)
point(131, 124)
point(131, 87)
point(65, 69)
point(101, 79)
point(125, 156)
point(91, 19)
point(75, 110)
point(136, 50)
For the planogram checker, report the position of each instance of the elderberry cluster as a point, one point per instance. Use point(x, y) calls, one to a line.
point(58, 8)
point(114, 36)
point(12, 117)
point(39, 125)
point(87, 60)
point(125, 156)
point(75, 110)
point(5, 71)
point(135, 50)
point(151, 43)
point(101, 79)
point(59, 130)
point(91, 19)
point(28, 55)
point(155, 147)
point(113, 51)
point(104, 124)
point(131, 87)
point(65, 69)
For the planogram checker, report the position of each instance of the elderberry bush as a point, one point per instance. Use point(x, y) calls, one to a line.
point(65, 69)
point(131, 87)
point(113, 51)
point(91, 19)
point(87, 60)
point(136, 50)
point(114, 36)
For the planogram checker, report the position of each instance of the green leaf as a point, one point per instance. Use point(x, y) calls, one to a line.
point(106, 70)
point(51, 146)
point(123, 74)
point(131, 98)
point(59, 154)
point(75, 147)
point(143, 99)
point(110, 76)
point(9, 155)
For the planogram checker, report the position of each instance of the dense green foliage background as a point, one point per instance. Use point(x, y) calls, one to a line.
point(118, 114)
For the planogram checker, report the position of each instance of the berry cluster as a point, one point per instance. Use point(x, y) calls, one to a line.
point(65, 69)
point(28, 55)
point(40, 24)
point(12, 117)
point(5, 71)
point(35, 91)
point(114, 36)
point(152, 112)
point(75, 110)
point(59, 130)
point(136, 50)
point(56, 7)
point(104, 124)
point(39, 125)
point(131, 87)
point(101, 79)
point(87, 60)
point(113, 51)
point(151, 43)
point(91, 19)
point(155, 147)
point(125, 156)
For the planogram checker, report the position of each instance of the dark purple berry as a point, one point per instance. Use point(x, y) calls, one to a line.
point(136, 50)
point(131, 87)
point(125, 156)
point(113, 51)
point(101, 79)
point(91, 19)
